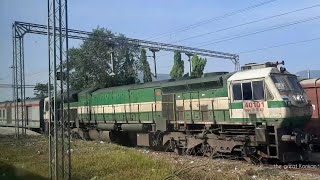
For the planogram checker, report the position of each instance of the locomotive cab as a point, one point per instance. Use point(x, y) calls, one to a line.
point(273, 101)
point(267, 94)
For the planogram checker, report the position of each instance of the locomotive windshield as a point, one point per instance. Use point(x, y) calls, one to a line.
point(287, 83)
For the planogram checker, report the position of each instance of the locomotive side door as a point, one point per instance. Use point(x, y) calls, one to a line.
point(169, 108)
point(248, 101)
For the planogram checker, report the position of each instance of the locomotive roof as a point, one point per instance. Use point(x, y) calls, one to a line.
point(133, 86)
point(167, 83)
point(254, 73)
point(88, 91)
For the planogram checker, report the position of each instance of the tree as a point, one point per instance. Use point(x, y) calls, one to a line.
point(41, 90)
point(178, 66)
point(198, 65)
point(145, 67)
point(90, 63)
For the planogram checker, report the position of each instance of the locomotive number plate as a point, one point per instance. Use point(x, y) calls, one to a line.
point(253, 106)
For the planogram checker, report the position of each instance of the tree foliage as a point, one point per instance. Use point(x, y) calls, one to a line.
point(145, 67)
point(178, 66)
point(90, 63)
point(198, 65)
point(41, 90)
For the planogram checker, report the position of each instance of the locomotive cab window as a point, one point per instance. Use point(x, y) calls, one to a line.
point(258, 90)
point(237, 92)
point(249, 91)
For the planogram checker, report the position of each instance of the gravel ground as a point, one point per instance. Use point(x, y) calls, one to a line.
point(236, 167)
point(11, 131)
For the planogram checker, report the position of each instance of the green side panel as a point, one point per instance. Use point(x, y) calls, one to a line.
point(237, 105)
point(119, 97)
point(109, 117)
point(142, 95)
point(98, 117)
point(179, 96)
point(186, 96)
point(146, 116)
point(196, 116)
point(125, 96)
point(194, 95)
point(276, 104)
point(221, 115)
point(222, 92)
point(205, 94)
point(84, 117)
point(187, 115)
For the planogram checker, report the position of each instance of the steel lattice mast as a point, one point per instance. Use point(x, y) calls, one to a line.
point(18, 79)
point(59, 121)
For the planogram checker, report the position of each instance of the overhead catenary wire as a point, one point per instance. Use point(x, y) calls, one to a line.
point(215, 41)
point(220, 40)
point(247, 23)
point(211, 20)
point(269, 47)
point(279, 45)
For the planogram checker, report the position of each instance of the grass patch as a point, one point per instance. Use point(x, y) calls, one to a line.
point(27, 158)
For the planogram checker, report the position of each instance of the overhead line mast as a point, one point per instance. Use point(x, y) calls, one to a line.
point(83, 35)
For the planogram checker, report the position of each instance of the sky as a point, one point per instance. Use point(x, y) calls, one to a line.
point(150, 20)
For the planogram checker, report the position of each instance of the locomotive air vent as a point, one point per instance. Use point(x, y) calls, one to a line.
point(214, 74)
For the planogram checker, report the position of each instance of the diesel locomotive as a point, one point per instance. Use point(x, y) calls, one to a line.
point(258, 113)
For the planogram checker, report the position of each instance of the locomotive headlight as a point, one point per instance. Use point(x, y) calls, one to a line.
point(299, 98)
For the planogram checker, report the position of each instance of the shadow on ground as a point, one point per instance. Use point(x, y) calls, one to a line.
point(10, 172)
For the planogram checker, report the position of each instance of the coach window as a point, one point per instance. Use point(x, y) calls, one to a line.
point(237, 93)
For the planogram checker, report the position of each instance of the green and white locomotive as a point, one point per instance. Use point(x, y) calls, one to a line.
point(257, 113)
